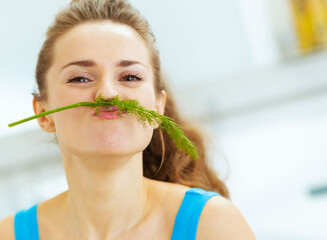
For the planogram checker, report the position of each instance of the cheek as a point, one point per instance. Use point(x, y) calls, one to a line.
point(62, 98)
point(147, 98)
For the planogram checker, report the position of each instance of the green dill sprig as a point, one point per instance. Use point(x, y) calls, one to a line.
point(142, 114)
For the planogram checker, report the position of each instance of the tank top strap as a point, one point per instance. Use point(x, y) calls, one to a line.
point(188, 215)
point(25, 224)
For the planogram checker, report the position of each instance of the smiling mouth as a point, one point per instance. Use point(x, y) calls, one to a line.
point(107, 113)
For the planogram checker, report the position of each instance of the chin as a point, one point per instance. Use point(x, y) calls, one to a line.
point(106, 142)
point(105, 153)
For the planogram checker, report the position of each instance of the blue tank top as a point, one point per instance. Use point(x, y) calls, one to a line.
point(185, 225)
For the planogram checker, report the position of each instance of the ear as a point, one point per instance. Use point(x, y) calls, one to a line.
point(161, 102)
point(46, 122)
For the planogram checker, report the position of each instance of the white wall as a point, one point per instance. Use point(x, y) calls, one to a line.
point(277, 155)
point(198, 40)
point(22, 29)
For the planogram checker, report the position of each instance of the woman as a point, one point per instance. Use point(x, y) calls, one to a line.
point(125, 181)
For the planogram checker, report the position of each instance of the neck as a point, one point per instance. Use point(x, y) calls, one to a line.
point(105, 199)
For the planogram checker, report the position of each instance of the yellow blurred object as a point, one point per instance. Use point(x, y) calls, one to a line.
point(310, 18)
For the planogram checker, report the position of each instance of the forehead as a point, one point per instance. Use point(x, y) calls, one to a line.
point(103, 42)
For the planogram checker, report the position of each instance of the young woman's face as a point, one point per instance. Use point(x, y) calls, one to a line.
point(108, 59)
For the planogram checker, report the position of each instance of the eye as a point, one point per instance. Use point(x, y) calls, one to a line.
point(82, 80)
point(131, 77)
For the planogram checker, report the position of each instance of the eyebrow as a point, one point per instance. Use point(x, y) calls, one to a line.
point(91, 63)
point(127, 63)
point(83, 63)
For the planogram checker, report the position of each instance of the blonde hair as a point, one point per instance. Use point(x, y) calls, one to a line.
point(177, 166)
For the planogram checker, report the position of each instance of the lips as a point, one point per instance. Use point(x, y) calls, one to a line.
point(107, 112)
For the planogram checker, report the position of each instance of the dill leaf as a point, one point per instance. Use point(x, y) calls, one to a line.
point(143, 115)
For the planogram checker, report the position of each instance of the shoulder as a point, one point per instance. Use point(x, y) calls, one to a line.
point(221, 219)
point(167, 190)
point(7, 228)
point(167, 198)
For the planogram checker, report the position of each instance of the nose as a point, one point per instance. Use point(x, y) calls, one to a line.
point(106, 89)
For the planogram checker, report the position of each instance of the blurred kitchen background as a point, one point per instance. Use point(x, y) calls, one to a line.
point(253, 73)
